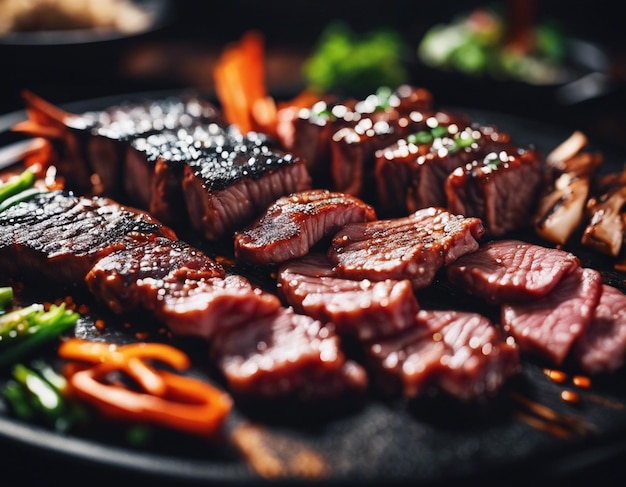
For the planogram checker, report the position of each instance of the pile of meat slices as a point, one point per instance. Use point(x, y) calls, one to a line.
point(355, 209)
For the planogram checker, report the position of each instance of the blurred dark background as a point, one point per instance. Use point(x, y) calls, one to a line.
point(181, 50)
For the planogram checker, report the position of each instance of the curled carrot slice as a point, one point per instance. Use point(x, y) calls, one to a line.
point(168, 399)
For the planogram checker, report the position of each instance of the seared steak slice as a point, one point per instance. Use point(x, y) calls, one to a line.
point(286, 355)
point(411, 173)
point(126, 280)
point(59, 236)
point(549, 326)
point(413, 247)
point(460, 354)
point(501, 189)
point(293, 224)
point(511, 271)
point(359, 308)
point(602, 346)
point(234, 179)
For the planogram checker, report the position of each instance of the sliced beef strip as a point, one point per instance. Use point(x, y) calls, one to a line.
point(362, 309)
point(500, 188)
point(59, 236)
point(549, 326)
point(415, 247)
point(461, 354)
point(293, 224)
point(234, 180)
point(511, 271)
point(601, 348)
point(286, 355)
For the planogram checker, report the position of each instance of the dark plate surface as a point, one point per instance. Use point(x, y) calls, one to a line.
point(528, 431)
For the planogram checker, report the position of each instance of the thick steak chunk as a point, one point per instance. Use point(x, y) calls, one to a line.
point(235, 179)
point(413, 247)
point(293, 224)
point(511, 271)
point(360, 308)
point(501, 189)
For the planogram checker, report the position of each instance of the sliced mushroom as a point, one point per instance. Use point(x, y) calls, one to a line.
point(562, 211)
point(605, 230)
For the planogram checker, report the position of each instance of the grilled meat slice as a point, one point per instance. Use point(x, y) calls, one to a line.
point(59, 236)
point(607, 225)
point(501, 189)
point(504, 271)
point(457, 353)
point(549, 326)
point(234, 179)
point(286, 355)
point(362, 309)
point(602, 346)
point(413, 247)
point(91, 146)
point(293, 224)
point(131, 278)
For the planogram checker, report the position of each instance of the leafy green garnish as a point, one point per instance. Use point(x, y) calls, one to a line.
point(350, 63)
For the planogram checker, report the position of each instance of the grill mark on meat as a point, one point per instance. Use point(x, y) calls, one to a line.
point(413, 247)
point(293, 224)
point(59, 236)
point(602, 346)
point(358, 308)
point(233, 181)
point(459, 353)
point(286, 355)
point(501, 189)
point(511, 271)
point(549, 326)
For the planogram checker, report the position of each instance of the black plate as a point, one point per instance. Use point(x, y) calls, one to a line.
point(431, 440)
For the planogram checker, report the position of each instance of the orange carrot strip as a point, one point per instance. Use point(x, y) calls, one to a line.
point(189, 405)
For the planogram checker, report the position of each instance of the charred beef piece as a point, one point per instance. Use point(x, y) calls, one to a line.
point(413, 247)
point(286, 355)
point(511, 271)
point(90, 147)
point(501, 189)
point(59, 236)
point(235, 178)
point(411, 173)
point(602, 346)
point(293, 224)
point(549, 326)
point(457, 353)
point(362, 309)
point(154, 168)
